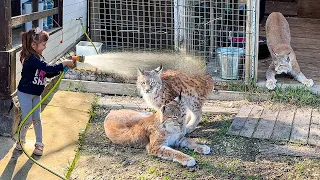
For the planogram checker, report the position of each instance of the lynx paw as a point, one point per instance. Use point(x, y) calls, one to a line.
point(308, 82)
point(190, 162)
point(203, 149)
point(271, 84)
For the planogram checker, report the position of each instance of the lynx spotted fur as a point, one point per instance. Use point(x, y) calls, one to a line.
point(165, 128)
point(283, 57)
point(159, 88)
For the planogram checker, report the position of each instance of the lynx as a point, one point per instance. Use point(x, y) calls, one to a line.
point(159, 88)
point(157, 132)
point(283, 57)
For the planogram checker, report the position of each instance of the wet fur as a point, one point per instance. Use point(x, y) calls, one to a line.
point(283, 57)
point(159, 88)
point(156, 132)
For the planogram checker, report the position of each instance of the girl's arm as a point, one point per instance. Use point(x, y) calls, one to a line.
point(42, 65)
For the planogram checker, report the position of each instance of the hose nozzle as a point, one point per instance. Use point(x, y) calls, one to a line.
point(77, 58)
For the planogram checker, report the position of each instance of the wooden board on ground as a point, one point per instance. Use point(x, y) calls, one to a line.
point(266, 124)
point(252, 121)
point(300, 126)
point(282, 128)
point(240, 120)
point(314, 136)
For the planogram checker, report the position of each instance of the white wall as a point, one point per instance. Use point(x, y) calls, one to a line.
point(70, 33)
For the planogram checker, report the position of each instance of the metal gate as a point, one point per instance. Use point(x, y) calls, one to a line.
point(222, 32)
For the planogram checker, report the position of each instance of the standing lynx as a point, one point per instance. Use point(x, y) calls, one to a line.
point(159, 88)
point(157, 132)
point(283, 57)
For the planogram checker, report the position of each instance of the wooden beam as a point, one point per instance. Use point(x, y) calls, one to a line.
point(5, 28)
point(308, 9)
point(30, 17)
point(5, 79)
point(58, 17)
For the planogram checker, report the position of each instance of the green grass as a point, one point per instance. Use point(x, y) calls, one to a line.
point(299, 96)
point(92, 113)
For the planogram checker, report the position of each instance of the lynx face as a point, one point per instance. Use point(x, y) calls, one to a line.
point(148, 82)
point(282, 64)
point(171, 112)
point(172, 118)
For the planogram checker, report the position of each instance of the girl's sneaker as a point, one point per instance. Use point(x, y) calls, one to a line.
point(18, 146)
point(38, 150)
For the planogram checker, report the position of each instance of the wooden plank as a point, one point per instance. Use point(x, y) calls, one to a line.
point(240, 120)
point(5, 28)
point(282, 128)
point(96, 87)
point(308, 8)
point(305, 42)
point(13, 69)
point(34, 16)
point(58, 17)
point(280, 7)
point(266, 124)
point(252, 121)
point(314, 136)
point(300, 127)
point(270, 6)
point(5, 91)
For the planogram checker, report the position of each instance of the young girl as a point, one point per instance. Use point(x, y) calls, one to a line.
point(31, 85)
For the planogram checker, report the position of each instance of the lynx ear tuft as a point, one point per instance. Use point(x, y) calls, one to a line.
point(178, 98)
point(140, 72)
point(162, 109)
point(159, 69)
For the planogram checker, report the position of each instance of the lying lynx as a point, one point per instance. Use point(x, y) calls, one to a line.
point(283, 57)
point(157, 132)
point(159, 88)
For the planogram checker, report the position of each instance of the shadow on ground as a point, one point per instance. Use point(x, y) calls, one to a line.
point(233, 157)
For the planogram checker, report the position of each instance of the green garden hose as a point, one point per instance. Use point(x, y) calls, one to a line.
point(29, 114)
point(34, 108)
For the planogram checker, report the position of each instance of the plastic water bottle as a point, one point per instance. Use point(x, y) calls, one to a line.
point(45, 20)
point(50, 18)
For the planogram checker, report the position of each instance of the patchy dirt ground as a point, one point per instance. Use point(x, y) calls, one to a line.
point(232, 157)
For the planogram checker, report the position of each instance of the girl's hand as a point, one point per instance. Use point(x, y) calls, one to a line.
point(68, 63)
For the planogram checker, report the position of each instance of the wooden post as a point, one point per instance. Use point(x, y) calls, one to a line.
point(248, 41)
point(9, 113)
point(5, 45)
point(58, 17)
point(35, 4)
point(256, 40)
point(5, 28)
point(252, 38)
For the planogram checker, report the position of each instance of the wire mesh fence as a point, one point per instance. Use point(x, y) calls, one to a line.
point(222, 32)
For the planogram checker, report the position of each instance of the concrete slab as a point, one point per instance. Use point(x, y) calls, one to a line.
point(63, 118)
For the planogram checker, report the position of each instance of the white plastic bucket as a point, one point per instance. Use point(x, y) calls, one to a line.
point(85, 48)
point(229, 58)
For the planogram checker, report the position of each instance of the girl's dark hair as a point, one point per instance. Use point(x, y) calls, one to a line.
point(27, 39)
